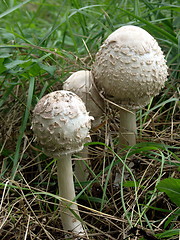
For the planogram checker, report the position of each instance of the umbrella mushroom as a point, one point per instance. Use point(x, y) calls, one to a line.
point(129, 69)
point(61, 125)
point(81, 83)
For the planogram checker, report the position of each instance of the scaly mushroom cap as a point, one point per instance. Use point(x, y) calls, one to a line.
point(81, 83)
point(130, 67)
point(61, 123)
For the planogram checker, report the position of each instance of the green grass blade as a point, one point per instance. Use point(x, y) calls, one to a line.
point(13, 9)
point(159, 30)
point(103, 202)
point(168, 234)
point(23, 127)
point(6, 95)
point(159, 13)
point(154, 191)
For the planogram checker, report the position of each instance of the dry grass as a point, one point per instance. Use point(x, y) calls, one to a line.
point(29, 201)
point(30, 204)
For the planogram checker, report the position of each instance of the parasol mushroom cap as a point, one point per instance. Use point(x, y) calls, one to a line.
point(130, 67)
point(82, 84)
point(61, 123)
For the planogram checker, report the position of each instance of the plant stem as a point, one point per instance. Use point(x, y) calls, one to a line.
point(69, 211)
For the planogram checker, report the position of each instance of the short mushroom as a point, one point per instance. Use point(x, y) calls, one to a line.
point(61, 125)
point(129, 69)
point(82, 84)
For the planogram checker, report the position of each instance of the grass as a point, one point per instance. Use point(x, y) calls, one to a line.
point(41, 43)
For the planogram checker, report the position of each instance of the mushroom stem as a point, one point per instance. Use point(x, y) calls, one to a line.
point(127, 136)
point(69, 212)
point(127, 131)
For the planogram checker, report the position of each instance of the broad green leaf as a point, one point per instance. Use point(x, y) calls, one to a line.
point(15, 63)
point(49, 69)
point(5, 55)
point(171, 187)
point(35, 70)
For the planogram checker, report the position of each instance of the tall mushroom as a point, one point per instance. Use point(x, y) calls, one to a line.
point(81, 83)
point(61, 125)
point(129, 69)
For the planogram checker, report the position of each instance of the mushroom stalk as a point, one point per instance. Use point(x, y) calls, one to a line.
point(127, 135)
point(69, 211)
point(127, 130)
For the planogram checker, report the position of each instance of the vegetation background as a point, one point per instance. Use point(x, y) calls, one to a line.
point(41, 43)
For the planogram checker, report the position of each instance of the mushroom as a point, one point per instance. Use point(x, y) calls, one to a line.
point(129, 69)
point(82, 84)
point(61, 125)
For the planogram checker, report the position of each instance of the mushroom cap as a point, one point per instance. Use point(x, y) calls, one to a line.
point(130, 67)
point(61, 123)
point(82, 84)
